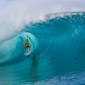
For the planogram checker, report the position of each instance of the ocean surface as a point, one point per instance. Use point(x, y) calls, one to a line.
point(57, 52)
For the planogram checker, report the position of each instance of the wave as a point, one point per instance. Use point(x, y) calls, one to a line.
point(57, 49)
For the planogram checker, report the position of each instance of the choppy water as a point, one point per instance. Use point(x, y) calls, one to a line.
point(57, 53)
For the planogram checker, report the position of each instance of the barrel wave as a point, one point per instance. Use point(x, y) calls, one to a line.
point(57, 52)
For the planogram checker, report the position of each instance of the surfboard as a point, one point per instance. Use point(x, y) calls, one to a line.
point(28, 51)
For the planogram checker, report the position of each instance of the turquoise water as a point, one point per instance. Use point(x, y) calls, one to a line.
point(57, 53)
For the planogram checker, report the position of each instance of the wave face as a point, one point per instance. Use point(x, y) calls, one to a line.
point(57, 52)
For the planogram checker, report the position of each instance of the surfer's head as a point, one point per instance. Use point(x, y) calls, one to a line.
point(27, 41)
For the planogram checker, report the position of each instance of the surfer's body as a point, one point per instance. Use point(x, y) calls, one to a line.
point(27, 46)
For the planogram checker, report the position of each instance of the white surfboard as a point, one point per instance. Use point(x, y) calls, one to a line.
point(28, 51)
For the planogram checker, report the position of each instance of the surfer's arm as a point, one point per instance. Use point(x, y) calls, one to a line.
point(24, 43)
point(29, 45)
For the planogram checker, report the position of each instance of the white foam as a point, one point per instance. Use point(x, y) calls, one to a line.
point(14, 14)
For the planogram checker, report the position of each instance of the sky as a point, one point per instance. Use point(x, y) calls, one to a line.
point(48, 5)
point(15, 13)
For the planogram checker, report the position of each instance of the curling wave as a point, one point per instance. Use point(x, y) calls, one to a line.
point(57, 49)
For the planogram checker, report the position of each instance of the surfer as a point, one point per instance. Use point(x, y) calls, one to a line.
point(27, 46)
